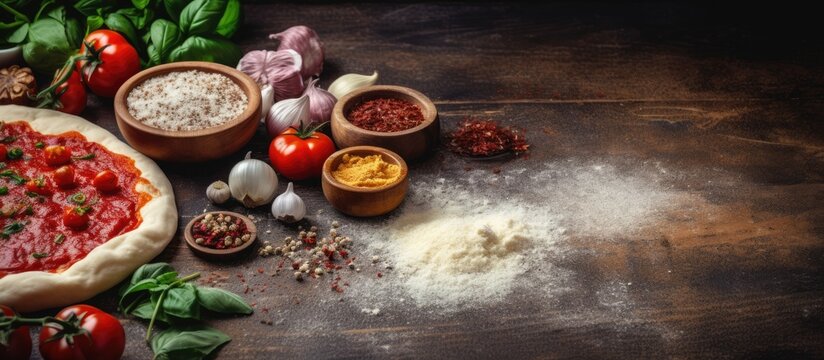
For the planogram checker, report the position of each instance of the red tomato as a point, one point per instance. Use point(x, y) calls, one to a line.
point(72, 95)
point(105, 181)
point(64, 176)
point(39, 186)
point(103, 337)
point(3, 151)
point(76, 218)
point(19, 345)
point(116, 62)
point(57, 155)
point(300, 155)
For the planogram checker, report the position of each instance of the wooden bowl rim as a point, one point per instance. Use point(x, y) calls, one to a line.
point(220, 252)
point(427, 107)
point(246, 83)
point(398, 160)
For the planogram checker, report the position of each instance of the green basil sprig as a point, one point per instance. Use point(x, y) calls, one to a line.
point(157, 293)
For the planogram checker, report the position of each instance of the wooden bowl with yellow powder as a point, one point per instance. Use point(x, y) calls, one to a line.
point(365, 180)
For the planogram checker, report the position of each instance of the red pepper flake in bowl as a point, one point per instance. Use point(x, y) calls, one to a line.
point(385, 115)
point(220, 231)
point(483, 138)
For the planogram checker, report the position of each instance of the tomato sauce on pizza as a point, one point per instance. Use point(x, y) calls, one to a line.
point(61, 196)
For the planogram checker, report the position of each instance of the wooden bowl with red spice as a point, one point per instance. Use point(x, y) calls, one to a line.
point(207, 236)
point(392, 117)
point(170, 113)
point(365, 201)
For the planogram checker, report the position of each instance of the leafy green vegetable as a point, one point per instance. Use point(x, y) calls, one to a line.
point(222, 301)
point(230, 21)
point(122, 24)
point(141, 4)
point(187, 344)
point(49, 46)
point(175, 7)
point(201, 16)
point(216, 49)
point(182, 302)
point(165, 36)
point(156, 293)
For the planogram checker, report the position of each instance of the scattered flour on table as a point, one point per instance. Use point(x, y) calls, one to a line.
point(470, 242)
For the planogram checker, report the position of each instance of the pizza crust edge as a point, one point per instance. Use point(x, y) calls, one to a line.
point(111, 262)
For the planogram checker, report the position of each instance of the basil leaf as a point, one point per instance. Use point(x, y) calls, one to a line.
point(167, 277)
point(165, 37)
point(90, 7)
point(122, 24)
point(197, 48)
point(48, 47)
point(182, 302)
point(74, 32)
point(93, 23)
point(201, 16)
point(154, 56)
point(231, 19)
point(151, 271)
point(175, 7)
point(187, 344)
point(138, 17)
point(222, 301)
point(145, 310)
point(141, 4)
point(141, 285)
point(18, 35)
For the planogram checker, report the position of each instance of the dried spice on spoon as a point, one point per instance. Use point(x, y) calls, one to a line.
point(484, 138)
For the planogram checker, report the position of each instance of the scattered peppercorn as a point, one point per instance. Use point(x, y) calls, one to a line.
point(220, 231)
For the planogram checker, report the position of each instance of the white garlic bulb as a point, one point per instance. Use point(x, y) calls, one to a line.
point(321, 103)
point(349, 82)
point(218, 192)
point(287, 113)
point(267, 99)
point(288, 207)
point(253, 182)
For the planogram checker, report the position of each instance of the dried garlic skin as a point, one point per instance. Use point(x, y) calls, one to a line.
point(17, 85)
point(350, 82)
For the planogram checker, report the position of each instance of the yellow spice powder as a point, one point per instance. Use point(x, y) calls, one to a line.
point(369, 172)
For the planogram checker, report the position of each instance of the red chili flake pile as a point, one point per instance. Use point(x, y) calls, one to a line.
point(385, 115)
point(309, 256)
point(485, 138)
point(220, 231)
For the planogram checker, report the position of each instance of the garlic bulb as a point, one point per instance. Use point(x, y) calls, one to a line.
point(267, 99)
point(321, 103)
point(289, 207)
point(346, 83)
point(306, 42)
point(253, 182)
point(280, 69)
point(286, 113)
point(218, 192)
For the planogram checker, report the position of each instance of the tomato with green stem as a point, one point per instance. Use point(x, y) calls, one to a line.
point(15, 340)
point(109, 60)
point(299, 154)
point(82, 332)
point(76, 218)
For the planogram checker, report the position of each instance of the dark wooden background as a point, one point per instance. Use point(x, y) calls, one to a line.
point(697, 88)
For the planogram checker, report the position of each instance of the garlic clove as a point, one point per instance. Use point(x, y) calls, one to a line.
point(288, 207)
point(306, 42)
point(267, 96)
point(349, 82)
point(218, 192)
point(287, 113)
point(253, 182)
point(321, 103)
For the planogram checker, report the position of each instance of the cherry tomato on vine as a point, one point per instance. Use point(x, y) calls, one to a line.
point(113, 61)
point(57, 155)
point(105, 181)
point(300, 154)
point(72, 95)
point(94, 335)
point(18, 346)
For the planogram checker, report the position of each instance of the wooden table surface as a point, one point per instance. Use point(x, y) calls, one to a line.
point(723, 107)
